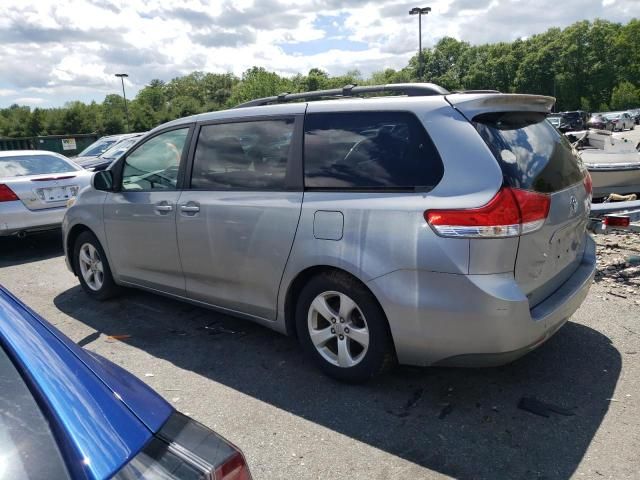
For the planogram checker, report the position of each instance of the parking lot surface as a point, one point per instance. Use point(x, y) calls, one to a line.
point(257, 389)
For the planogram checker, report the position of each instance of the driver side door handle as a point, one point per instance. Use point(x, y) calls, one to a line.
point(164, 207)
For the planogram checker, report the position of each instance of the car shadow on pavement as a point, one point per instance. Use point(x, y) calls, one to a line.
point(460, 422)
point(34, 247)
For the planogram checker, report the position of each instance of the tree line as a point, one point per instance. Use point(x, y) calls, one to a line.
point(592, 66)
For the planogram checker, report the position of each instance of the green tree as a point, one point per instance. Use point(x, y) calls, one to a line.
point(625, 96)
point(256, 83)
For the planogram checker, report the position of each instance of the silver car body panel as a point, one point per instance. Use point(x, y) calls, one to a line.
point(241, 251)
point(235, 246)
point(35, 210)
point(140, 231)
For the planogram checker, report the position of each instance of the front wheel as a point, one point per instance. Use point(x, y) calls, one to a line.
point(92, 267)
point(342, 328)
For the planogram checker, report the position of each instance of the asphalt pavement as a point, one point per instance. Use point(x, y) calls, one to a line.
point(580, 389)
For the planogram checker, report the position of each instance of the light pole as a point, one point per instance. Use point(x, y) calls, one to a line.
point(419, 11)
point(126, 111)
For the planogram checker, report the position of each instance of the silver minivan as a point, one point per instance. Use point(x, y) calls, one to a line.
point(426, 228)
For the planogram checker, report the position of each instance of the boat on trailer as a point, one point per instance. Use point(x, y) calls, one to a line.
point(612, 160)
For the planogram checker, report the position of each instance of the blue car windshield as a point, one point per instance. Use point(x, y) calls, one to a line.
point(28, 449)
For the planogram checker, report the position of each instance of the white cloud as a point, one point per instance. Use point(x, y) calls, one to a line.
point(29, 101)
point(63, 51)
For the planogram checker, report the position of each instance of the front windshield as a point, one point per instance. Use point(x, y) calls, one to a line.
point(119, 148)
point(612, 116)
point(97, 148)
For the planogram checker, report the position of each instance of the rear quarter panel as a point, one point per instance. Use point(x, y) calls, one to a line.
point(385, 232)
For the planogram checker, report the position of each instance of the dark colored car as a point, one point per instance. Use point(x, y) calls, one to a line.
point(68, 413)
point(600, 122)
point(111, 155)
point(100, 158)
point(577, 119)
point(99, 146)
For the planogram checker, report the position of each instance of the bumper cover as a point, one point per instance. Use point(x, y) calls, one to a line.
point(474, 320)
point(16, 218)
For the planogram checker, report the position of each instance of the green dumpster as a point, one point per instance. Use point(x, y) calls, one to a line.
point(68, 145)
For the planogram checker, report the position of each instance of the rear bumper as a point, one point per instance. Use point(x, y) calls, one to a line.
point(16, 218)
point(474, 320)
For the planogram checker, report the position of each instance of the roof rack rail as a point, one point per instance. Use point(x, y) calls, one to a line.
point(409, 89)
point(477, 91)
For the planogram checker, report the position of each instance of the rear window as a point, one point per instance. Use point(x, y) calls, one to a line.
point(20, 165)
point(531, 153)
point(369, 151)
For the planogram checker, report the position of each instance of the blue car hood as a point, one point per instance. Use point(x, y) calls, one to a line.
point(101, 414)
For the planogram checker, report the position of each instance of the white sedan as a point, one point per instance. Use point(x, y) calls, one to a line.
point(35, 187)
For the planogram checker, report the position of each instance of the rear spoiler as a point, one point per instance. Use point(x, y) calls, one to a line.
point(471, 105)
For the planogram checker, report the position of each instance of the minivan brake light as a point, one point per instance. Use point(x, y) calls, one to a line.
point(511, 212)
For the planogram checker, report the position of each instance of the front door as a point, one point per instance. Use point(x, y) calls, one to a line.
point(140, 219)
point(237, 221)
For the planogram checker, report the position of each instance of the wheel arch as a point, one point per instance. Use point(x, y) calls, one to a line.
point(70, 241)
point(301, 279)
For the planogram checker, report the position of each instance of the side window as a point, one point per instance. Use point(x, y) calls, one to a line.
point(154, 165)
point(369, 151)
point(242, 156)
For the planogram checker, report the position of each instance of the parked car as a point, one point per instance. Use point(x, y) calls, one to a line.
point(85, 160)
point(559, 121)
point(68, 413)
point(620, 120)
point(600, 122)
point(112, 154)
point(402, 206)
point(35, 186)
point(576, 119)
point(99, 146)
point(635, 115)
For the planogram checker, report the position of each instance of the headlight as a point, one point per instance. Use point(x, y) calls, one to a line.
point(185, 449)
point(71, 202)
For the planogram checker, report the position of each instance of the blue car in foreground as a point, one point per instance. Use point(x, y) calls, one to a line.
point(66, 413)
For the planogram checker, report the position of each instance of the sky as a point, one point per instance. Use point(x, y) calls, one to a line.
point(54, 51)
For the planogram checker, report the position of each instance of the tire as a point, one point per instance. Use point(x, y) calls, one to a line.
point(341, 352)
point(92, 268)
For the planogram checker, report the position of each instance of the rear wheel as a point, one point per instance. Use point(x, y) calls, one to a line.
point(92, 267)
point(341, 326)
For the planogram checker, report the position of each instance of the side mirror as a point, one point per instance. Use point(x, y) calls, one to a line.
point(103, 181)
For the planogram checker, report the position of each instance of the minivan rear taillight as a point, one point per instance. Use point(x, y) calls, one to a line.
point(511, 212)
point(6, 194)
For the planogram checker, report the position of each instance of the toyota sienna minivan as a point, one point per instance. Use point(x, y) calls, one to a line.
point(422, 227)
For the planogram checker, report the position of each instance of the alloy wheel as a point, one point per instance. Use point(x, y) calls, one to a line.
point(338, 329)
point(91, 266)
